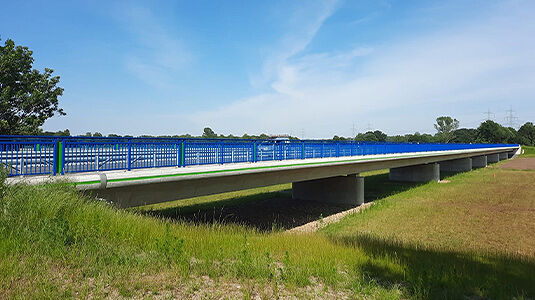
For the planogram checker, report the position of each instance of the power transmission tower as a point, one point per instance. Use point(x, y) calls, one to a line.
point(369, 128)
point(489, 113)
point(510, 118)
point(353, 130)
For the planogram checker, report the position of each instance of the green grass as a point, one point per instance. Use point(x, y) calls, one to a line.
point(56, 243)
point(529, 151)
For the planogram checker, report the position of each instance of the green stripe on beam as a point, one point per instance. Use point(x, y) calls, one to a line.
point(242, 169)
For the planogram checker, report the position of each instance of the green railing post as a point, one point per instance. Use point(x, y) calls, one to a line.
point(129, 158)
point(182, 153)
point(58, 167)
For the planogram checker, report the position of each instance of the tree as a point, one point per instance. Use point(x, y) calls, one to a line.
point(366, 137)
point(465, 135)
point(209, 133)
point(492, 132)
point(27, 97)
point(445, 127)
point(65, 132)
point(381, 136)
point(419, 138)
point(527, 133)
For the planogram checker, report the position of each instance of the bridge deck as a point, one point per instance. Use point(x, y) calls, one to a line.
point(115, 178)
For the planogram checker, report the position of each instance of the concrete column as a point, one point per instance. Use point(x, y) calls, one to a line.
point(418, 173)
point(456, 165)
point(503, 156)
point(493, 158)
point(337, 190)
point(479, 161)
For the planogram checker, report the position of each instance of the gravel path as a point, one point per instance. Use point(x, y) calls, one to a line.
point(316, 225)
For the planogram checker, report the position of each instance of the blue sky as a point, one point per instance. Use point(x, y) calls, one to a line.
point(311, 68)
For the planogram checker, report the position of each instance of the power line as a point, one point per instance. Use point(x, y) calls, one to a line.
point(489, 113)
point(510, 118)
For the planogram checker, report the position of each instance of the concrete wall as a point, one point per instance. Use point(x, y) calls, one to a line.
point(340, 189)
point(457, 165)
point(479, 161)
point(493, 158)
point(503, 156)
point(419, 173)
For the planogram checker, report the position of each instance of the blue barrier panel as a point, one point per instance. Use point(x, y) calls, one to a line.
point(27, 157)
point(35, 155)
point(154, 155)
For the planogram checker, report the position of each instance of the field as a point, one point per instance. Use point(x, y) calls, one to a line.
point(469, 237)
point(529, 151)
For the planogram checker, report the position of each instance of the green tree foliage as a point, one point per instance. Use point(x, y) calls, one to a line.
point(65, 132)
point(366, 137)
point(464, 135)
point(527, 134)
point(445, 127)
point(492, 132)
point(420, 138)
point(209, 133)
point(381, 136)
point(372, 136)
point(27, 97)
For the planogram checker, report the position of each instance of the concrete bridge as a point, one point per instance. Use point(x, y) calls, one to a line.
point(330, 179)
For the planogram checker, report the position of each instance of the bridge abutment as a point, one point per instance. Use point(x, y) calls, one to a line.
point(340, 190)
point(418, 173)
point(479, 161)
point(456, 165)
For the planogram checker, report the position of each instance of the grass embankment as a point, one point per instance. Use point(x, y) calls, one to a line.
point(419, 243)
point(529, 151)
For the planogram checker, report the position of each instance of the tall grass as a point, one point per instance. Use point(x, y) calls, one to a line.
point(56, 243)
point(54, 240)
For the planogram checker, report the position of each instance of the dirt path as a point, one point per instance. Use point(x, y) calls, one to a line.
point(519, 164)
point(316, 225)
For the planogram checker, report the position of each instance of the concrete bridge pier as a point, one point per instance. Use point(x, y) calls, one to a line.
point(337, 190)
point(493, 158)
point(479, 161)
point(503, 156)
point(418, 173)
point(456, 165)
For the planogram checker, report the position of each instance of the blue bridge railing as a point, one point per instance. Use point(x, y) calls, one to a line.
point(37, 155)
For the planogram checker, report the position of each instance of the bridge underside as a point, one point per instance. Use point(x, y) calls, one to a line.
point(336, 182)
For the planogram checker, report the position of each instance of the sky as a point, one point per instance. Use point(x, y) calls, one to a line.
point(312, 69)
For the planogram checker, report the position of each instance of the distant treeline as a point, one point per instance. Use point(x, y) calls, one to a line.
point(487, 132)
point(208, 133)
point(447, 132)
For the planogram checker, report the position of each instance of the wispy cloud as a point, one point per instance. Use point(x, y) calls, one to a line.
point(304, 24)
point(466, 66)
point(157, 52)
